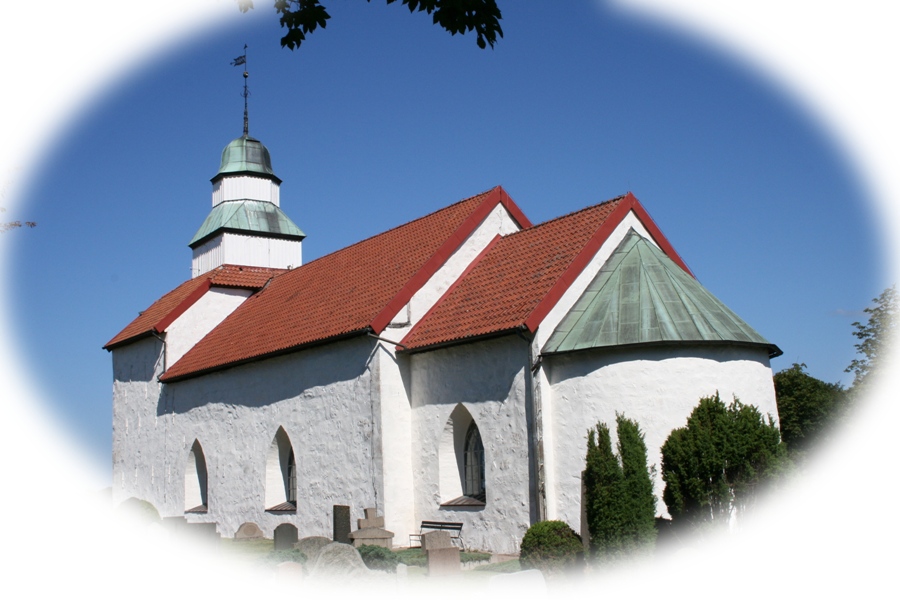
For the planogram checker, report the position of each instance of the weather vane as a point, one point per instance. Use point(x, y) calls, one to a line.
point(242, 60)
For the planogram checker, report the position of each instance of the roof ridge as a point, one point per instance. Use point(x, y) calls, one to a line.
point(375, 235)
point(567, 215)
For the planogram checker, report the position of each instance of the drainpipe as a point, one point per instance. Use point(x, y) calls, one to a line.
point(536, 432)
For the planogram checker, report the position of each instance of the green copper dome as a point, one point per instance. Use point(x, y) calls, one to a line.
point(640, 296)
point(246, 155)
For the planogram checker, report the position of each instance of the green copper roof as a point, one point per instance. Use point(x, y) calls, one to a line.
point(248, 216)
point(246, 155)
point(640, 296)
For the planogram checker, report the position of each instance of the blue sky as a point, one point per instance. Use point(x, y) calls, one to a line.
point(382, 118)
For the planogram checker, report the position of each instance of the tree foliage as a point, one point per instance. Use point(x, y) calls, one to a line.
point(874, 337)
point(7, 225)
point(807, 408)
point(618, 492)
point(302, 17)
point(715, 466)
point(552, 547)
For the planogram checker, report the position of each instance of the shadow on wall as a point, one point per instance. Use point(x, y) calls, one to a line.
point(268, 381)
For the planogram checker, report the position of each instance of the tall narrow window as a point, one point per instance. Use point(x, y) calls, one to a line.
point(281, 475)
point(474, 464)
point(461, 462)
point(195, 481)
point(292, 480)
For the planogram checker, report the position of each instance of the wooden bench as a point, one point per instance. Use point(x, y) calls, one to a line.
point(435, 526)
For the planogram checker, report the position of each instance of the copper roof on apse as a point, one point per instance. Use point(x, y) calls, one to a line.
point(641, 297)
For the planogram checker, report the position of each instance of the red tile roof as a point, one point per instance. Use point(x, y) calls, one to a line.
point(352, 291)
point(165, 310)
point(511, 281)
point(515, 282)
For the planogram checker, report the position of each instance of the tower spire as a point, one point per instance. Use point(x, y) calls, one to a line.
point(242, 60)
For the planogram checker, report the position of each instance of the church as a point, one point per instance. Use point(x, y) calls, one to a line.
point(447, 369)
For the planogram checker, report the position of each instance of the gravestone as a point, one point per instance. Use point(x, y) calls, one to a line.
point(311, 546)
point(371, 521)
point(248, 531)
point(442, 555)
point(341, 524)
point(371, 531)
point(436, 539)
point(443, 561)
point(338, 560)
point(285, 536)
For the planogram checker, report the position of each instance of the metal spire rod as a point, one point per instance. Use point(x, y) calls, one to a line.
point(242, 60)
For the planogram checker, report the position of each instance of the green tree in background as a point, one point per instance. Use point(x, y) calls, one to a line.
point(715, 466)
point(874, 338)
point(301, 17)
point(618, 493)
point(808, 408)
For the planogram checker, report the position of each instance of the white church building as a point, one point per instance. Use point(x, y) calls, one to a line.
point(446, 370)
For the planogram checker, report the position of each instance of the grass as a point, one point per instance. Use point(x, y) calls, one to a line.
point(507, 566)
point(415, 557)
point(262, 551)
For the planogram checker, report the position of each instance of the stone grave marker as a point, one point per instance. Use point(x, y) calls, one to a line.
point(248, 531)
point(436, 539)
point(312, 546)
point(441, 554)
point(372, 532)
point(341, 524)
point(285, 536)
point(443, 561)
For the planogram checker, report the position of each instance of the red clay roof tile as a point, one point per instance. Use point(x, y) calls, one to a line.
point(510, 281)
point(347, 292)
point(162, 312)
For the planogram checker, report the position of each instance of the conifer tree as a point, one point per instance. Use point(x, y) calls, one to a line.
point(639, 499)
point(715, 466)
point(618, 492)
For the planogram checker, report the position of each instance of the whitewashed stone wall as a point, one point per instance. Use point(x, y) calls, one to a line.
point(393, 378)
point(657, 387)
point(198, 320)
point(322, 397)
point(135, 427)
point(488, 378)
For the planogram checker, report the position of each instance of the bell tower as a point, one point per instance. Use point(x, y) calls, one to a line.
point(246, 225)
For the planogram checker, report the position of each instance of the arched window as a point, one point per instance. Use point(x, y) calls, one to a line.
point(281, 475)
point(473, 464)
point(461, 462)
point(195, 481)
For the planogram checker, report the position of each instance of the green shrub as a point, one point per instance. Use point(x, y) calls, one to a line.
point(379, 558)
point(552, 547)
